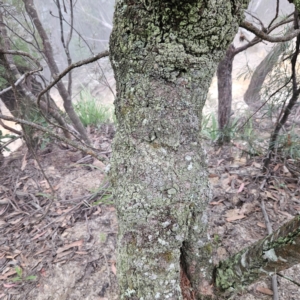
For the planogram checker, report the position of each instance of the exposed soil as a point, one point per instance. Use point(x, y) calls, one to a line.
point(67, 242)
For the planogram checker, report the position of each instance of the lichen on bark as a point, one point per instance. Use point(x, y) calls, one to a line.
point(164, 54)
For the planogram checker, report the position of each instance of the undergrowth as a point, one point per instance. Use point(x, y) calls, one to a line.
point(287, 145)
point(90, 111)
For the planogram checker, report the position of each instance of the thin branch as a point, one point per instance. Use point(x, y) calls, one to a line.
point(22, 53)
point(15, 84)
point(295, 95)
point(3, 146)
point(61, 138)
point(257, 19)
point(253, 42)
point(79, 34)
point(276, 15)
point(23, 39)
point(9, 128)
point(263, 105)
point(69, 68)
point(289, 279)
point(66, 43)
point(250, 27)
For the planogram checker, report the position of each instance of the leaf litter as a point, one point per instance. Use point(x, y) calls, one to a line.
point(68, 241)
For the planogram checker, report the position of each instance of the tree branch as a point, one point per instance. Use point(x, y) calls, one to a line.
point(69, 68)
point(61, 138)
point(259, 33)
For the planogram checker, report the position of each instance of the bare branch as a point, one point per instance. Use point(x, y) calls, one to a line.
point(9, 128)
point(71, 67)
point(61, 138)
point(22, 53)
point(259, 33)
point(16, 83)
point(79, 34)
point(276, 15)
point(48, 51)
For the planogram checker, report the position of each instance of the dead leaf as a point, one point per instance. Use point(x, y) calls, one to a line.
point(272, 196)
point(4, 201)
point(247, 208)
point(219, 162)
point(36, 165)
point(256, 165)
point(285, 214)
point(277, 167)
point(234, 214)
point(99, 164)
point(212, 175)
point(81, 252)
point(262, 225)
point(241, 188)
point(234, 218)
point(265, 291)
point(62, 254)
point(2, 223)
point(113, 268)
point(216, 202)
point(43, 272)
point(285, 169)
point(24, 161)
point(222, 253)
point(275, 206)
point(45, 184)
point(66, 247)
point(9, 285)
point(111, 208)
point(6, 275)
point(38, 235)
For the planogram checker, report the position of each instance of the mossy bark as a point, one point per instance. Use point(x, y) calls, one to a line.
point(278, 251)
point(164, 54)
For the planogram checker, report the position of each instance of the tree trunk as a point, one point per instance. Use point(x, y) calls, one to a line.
point(30, 9)
point(252, 95)
point(278, 251)
point(164, 55)
point(224, 75)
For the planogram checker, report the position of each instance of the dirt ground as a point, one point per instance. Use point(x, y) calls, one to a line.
point(63, 245)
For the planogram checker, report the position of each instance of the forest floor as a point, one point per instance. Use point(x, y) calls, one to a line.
point(63, 246)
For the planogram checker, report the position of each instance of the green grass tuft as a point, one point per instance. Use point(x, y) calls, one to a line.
point(90, 111)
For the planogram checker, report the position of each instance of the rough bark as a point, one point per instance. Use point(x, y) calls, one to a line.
point(164, 54)
point(30, 9)
point(252, 95)
point(278, 251)
point(224, 74)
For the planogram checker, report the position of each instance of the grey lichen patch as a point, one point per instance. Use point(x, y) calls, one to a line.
point(270, 255)
point(164, 61)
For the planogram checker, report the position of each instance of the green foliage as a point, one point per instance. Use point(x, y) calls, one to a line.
point(103, 237)
point(209, 127)
point(90, 111)
point(3, 81)
point(250, 139)
point(104, 199)
point(3, 140)
point(21, 45)
point(288, 144)
point(20, 276)
point(211, 130)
